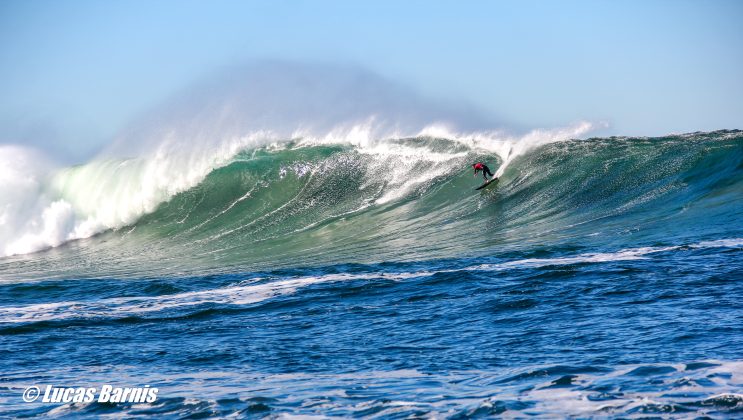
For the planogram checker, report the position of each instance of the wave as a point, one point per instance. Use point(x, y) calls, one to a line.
point(322, 199)
point(46, 207)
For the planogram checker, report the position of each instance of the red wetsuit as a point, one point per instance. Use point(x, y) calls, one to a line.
point(479, 166)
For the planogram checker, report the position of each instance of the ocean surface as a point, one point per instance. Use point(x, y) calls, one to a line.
point(600, 277)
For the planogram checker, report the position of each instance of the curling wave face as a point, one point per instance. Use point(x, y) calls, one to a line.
point(319, 202)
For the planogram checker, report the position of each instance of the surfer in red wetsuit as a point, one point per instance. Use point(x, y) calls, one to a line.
point(479, 166)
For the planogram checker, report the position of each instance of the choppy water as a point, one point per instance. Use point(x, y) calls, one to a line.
point(600, 277)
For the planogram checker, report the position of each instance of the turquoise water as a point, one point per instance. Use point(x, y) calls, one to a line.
point(600, 277)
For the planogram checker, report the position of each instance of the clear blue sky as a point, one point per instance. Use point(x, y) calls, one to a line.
point(72, 73)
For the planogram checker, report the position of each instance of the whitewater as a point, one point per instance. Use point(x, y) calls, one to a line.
point(298, 243)
point(49, 206)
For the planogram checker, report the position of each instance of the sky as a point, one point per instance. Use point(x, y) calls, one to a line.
point(74, 73)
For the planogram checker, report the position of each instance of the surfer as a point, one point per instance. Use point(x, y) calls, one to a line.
point(479, 166)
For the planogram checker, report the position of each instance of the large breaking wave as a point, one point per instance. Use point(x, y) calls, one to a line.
point(315, 201)
point(46, 207)
point(316, 164)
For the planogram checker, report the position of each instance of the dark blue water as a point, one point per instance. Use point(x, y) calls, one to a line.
point(616, 304)
point(644, 331)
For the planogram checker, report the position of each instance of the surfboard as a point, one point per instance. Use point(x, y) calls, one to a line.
point(485, 184)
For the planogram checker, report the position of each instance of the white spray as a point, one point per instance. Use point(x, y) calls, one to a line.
point(258, 105)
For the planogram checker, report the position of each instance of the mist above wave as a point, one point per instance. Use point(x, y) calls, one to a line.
point(174, 147)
